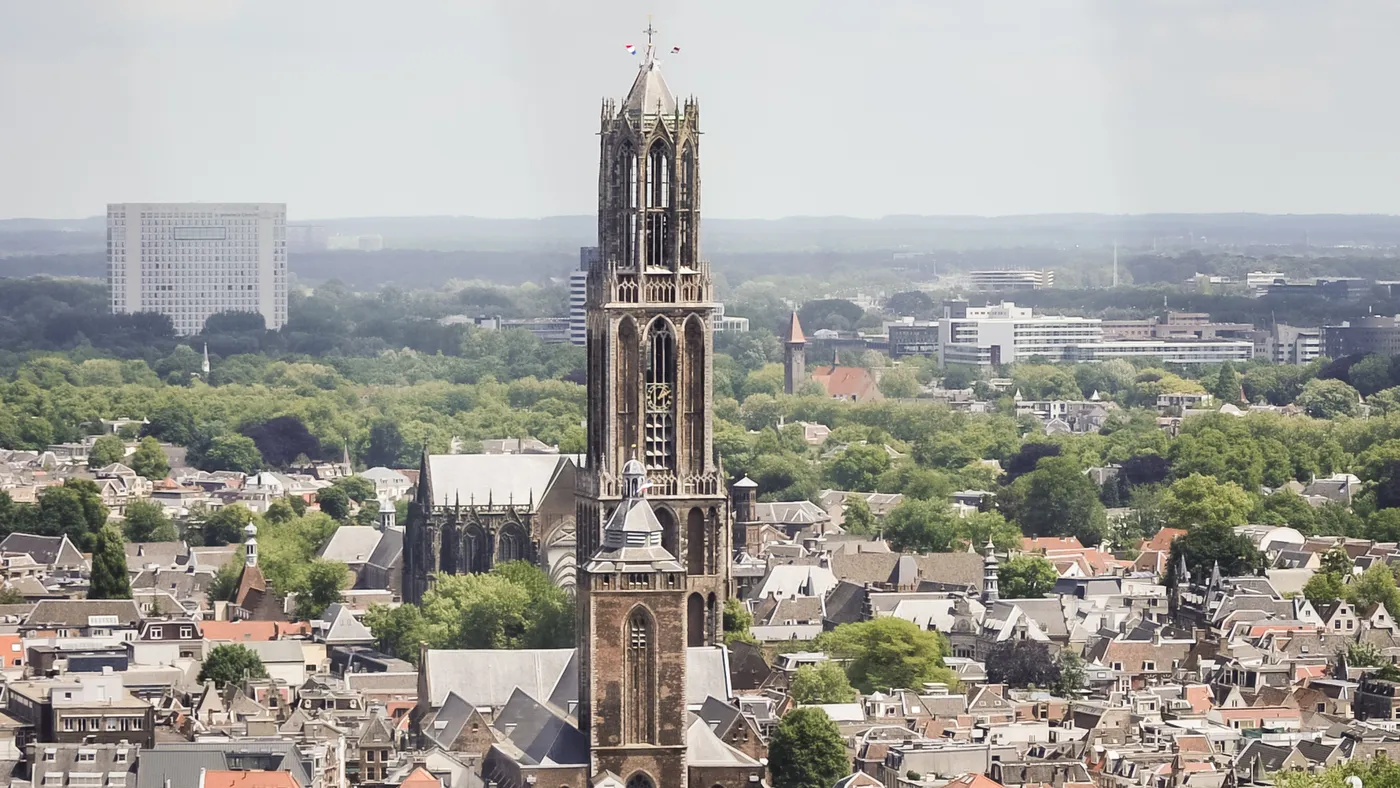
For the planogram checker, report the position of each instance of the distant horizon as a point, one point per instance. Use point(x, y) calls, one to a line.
point(790, 217)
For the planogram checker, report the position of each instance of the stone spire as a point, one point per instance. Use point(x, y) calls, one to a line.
point(649, 94)
point(205, 366)
point(990, 593)
point(794, 357)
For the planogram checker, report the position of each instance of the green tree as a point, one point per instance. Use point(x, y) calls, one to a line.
point(73, 509)
point(335, 502)
point(1021, 664)
point(1372, 772)
point(231, 663)
point(858, 467)
point(146, 522)
point(231, 452)
point(1026, 577)
point(823, 683)
point(807, 751)
point(899, 383)
point(1201, 500)
point(1072, 675)
point(225, 526)
point(109, 576)
point(1375, 585)
point(1323, 588)
point(224, 586)
point(976, 528)
point(280, 511)
point(1206, 546)
point(1328, 399)
point(358, 488)
point(324, 581)
point(737, 621)
point(920, 525)
point(888, 653)
point(105, 451)
point(1370, 374)
point(856, 517)
point(1226, 385)
point(149, 460)
point(1057, 499)
point(1365, 655)
point(514, 606)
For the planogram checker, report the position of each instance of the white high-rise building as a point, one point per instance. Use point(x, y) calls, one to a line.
point(1006, 333)
point(193, 260)
point(578, 295)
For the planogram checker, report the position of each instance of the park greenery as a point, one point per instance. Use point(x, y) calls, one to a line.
point(515, 605)
point(380, 377)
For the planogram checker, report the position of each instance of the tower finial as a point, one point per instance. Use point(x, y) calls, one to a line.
point(650, 55)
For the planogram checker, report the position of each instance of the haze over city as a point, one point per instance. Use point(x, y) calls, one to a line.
point(358, 108)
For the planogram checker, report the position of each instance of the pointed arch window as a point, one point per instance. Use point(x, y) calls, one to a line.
point(658, 207)
point(640, 708)
point(629, 395)
point(640, 781)
point(661, 397)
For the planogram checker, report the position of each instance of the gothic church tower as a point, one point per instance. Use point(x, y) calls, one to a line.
point(650, 344)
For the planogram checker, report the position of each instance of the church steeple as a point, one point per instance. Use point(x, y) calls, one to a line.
point(652, 523)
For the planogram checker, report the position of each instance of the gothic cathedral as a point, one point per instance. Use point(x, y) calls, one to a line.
point(653, 534)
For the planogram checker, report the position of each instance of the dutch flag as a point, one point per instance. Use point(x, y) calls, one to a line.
point(631, 50)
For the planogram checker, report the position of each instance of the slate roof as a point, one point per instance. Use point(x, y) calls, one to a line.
point(542, 734)
point(281, 651)
point(181, 762)
point(388, 550)
point(501, 478)
point(448, 721)
point(75, 613)
point(649, 94)
point(705, 748)
point(47, 550)
point(487, 677)
point(343, 627)
point(960, 570)
point(352, 544)
point(163, 554)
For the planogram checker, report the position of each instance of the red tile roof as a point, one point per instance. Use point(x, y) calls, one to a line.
point(855, 383)
point(248, 779)
point(420, 778)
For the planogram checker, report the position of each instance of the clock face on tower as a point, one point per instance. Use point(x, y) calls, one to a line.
point(659, 397)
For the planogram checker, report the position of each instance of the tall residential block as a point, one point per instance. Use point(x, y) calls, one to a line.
point(578, 295)
point(193, 260)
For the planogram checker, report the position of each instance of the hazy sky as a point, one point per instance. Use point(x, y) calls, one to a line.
point(865, 108)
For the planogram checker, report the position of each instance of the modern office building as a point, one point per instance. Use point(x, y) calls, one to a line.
point(728, 324)
point(1374, 334)
point(578, 295)
point(1169, 351)
point(1009, 280)
point(192, 260)
point(912, 338)
point(1006, 333)
point(1285, 344)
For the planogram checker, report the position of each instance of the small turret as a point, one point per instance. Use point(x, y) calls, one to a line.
point(990, 592)
point(250, 545)
point(387, 514)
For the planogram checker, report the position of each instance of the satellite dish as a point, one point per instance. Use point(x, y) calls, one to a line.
point(1353, 781)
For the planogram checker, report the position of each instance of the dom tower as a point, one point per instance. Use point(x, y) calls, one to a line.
point(650, 436)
